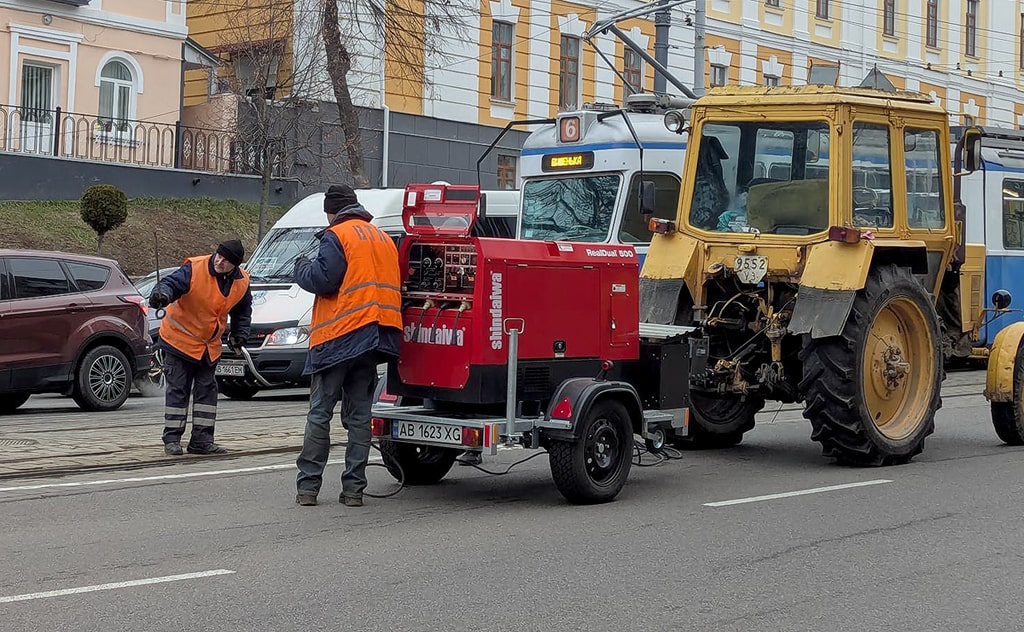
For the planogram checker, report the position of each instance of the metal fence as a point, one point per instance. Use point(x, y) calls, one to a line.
point(139, 143)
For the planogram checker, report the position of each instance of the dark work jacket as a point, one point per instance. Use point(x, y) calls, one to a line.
point(178, 283)
point(323, 276)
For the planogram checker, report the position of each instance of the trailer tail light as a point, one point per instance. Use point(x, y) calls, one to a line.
point(844, 235)
point(472, 437)
point(563, 410)
point(380, 427)
point(138, 301)
point(661, 226)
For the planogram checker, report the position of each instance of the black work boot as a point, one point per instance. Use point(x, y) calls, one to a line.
point(206, 448)
point(350, 501)
point(306, 500)
point(172, 449)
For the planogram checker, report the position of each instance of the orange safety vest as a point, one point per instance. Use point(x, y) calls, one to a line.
point(196, 321)
point(370, 292)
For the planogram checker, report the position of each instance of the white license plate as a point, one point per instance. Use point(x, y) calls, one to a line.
point(751, 269)
point(231, 369)
point(418, 431)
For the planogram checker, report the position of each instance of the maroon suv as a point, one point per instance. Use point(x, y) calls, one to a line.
point(69, 324)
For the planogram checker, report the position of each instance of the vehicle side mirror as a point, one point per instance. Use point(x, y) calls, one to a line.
point(971, 149)
point(1001, 299)
point(647, 197)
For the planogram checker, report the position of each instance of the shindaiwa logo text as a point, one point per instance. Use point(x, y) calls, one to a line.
point(495, 310)
point(434, 335)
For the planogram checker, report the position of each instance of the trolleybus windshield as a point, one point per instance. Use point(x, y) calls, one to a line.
point(569, 208)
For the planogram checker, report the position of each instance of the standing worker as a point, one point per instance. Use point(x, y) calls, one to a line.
point(199, 297)
point(356, 325)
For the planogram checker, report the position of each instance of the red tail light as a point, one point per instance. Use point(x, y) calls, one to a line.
point(380, 427)
point(387, 397)
point(137, 300)
point(472, 437)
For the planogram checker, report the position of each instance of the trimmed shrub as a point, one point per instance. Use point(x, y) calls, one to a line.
point(104, 208)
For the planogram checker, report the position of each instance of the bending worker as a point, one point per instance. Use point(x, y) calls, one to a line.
point(199, 297)
point(357, 324)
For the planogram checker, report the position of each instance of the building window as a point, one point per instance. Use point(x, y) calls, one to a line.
point(770, 81)
point(116, 96)
point(925, 208)
point(932, 24)
point(821, 9)
point(971, 29)
point(771, 3)
point(501, 61)
point(633, 71)
point(719, 75)
point(889, 17)
point(1013, 213)
point(569, 73)
point(1020, 36)
point(507, 166)
point(37, 93)
point(256, 70)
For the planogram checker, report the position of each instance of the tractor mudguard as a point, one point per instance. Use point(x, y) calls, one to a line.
point(578, 394)
point(1001, 363)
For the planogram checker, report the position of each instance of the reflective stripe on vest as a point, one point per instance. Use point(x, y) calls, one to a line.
point(371, 289)
point(195, 322)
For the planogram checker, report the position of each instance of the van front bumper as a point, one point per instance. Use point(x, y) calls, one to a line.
point(278, 367)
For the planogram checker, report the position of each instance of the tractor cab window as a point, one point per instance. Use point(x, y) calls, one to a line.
point(569, 209)
point(872, 176)
point(924, 180)
point(635, 228)
point(763, 177)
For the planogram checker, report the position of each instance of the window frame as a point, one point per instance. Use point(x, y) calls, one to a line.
point(943, 194)
point(971, 28)
point(1019, 222)
point(891, 160)
point(502, 92)
point(71, 287)
point(889, 18)
point(821, 9)
point(503, 176)
point(69, 271)
point(931, 28)
point(122, 119)
point(569, 68)
point(633, 74)
point(716, 69)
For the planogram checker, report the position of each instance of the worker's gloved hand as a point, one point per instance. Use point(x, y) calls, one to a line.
point(235, 343)
point(159, 300)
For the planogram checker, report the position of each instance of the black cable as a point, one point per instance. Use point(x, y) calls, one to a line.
point(401, 474)
point(509, 469)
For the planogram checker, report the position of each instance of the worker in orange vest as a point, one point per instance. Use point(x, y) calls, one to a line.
point(199, 297)
point(356, 325)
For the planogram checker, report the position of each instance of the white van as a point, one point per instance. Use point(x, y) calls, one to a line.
point(281, 310)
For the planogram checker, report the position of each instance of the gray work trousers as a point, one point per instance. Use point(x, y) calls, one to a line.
point(352, 383)
point(187, 380)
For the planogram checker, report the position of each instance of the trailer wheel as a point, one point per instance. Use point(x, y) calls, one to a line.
point(1008, 417)
point(417, 464)
point(594, 468)
point(873, 390)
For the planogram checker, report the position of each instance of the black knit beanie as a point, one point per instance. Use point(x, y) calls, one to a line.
point(232, 250)
point(338, 197)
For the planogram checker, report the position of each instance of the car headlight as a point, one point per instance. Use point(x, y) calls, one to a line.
point(288, 337)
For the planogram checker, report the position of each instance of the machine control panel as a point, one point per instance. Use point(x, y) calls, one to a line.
point(440, 270)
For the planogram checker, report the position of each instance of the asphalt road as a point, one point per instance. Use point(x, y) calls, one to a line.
point(934, 545)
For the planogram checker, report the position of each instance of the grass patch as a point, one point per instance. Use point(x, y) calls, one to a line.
point(180, 228)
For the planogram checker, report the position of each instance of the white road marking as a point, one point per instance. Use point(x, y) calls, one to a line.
point(115, 585)
point(802, 492)
point(162, 477)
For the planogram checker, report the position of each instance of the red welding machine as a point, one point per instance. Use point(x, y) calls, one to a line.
point(573, 305)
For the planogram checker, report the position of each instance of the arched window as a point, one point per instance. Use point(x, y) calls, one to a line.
point(117, 93)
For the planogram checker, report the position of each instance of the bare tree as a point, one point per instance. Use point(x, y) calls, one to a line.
point(272, 119)
point(408, 36)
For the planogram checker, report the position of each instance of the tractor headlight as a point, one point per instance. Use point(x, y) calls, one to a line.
point(675, 121)
point(288, 337)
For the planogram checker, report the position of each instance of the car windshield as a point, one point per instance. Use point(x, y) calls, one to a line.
point(762, 176)
point(569, 209)
point(274, 259)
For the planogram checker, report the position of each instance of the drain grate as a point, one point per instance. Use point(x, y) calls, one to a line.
point(16, 443)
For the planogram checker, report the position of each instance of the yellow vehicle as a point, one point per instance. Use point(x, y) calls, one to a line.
point(818, 247)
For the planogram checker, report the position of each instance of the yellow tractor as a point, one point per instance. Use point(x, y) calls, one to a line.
point(818, 246)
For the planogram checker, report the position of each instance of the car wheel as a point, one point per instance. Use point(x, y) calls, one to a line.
point(103, 380)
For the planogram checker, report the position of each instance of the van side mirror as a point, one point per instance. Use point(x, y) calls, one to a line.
point(647, 197)
point(971, 152)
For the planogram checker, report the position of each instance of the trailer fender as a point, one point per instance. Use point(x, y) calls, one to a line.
point(1002, 362)
point(574, 397)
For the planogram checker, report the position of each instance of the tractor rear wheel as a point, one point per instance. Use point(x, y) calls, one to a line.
point(1008, 417)
point(871, 392)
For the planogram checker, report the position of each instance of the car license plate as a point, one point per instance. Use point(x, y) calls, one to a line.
point(418, 431)
point(751, 269)
point(232, 369)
